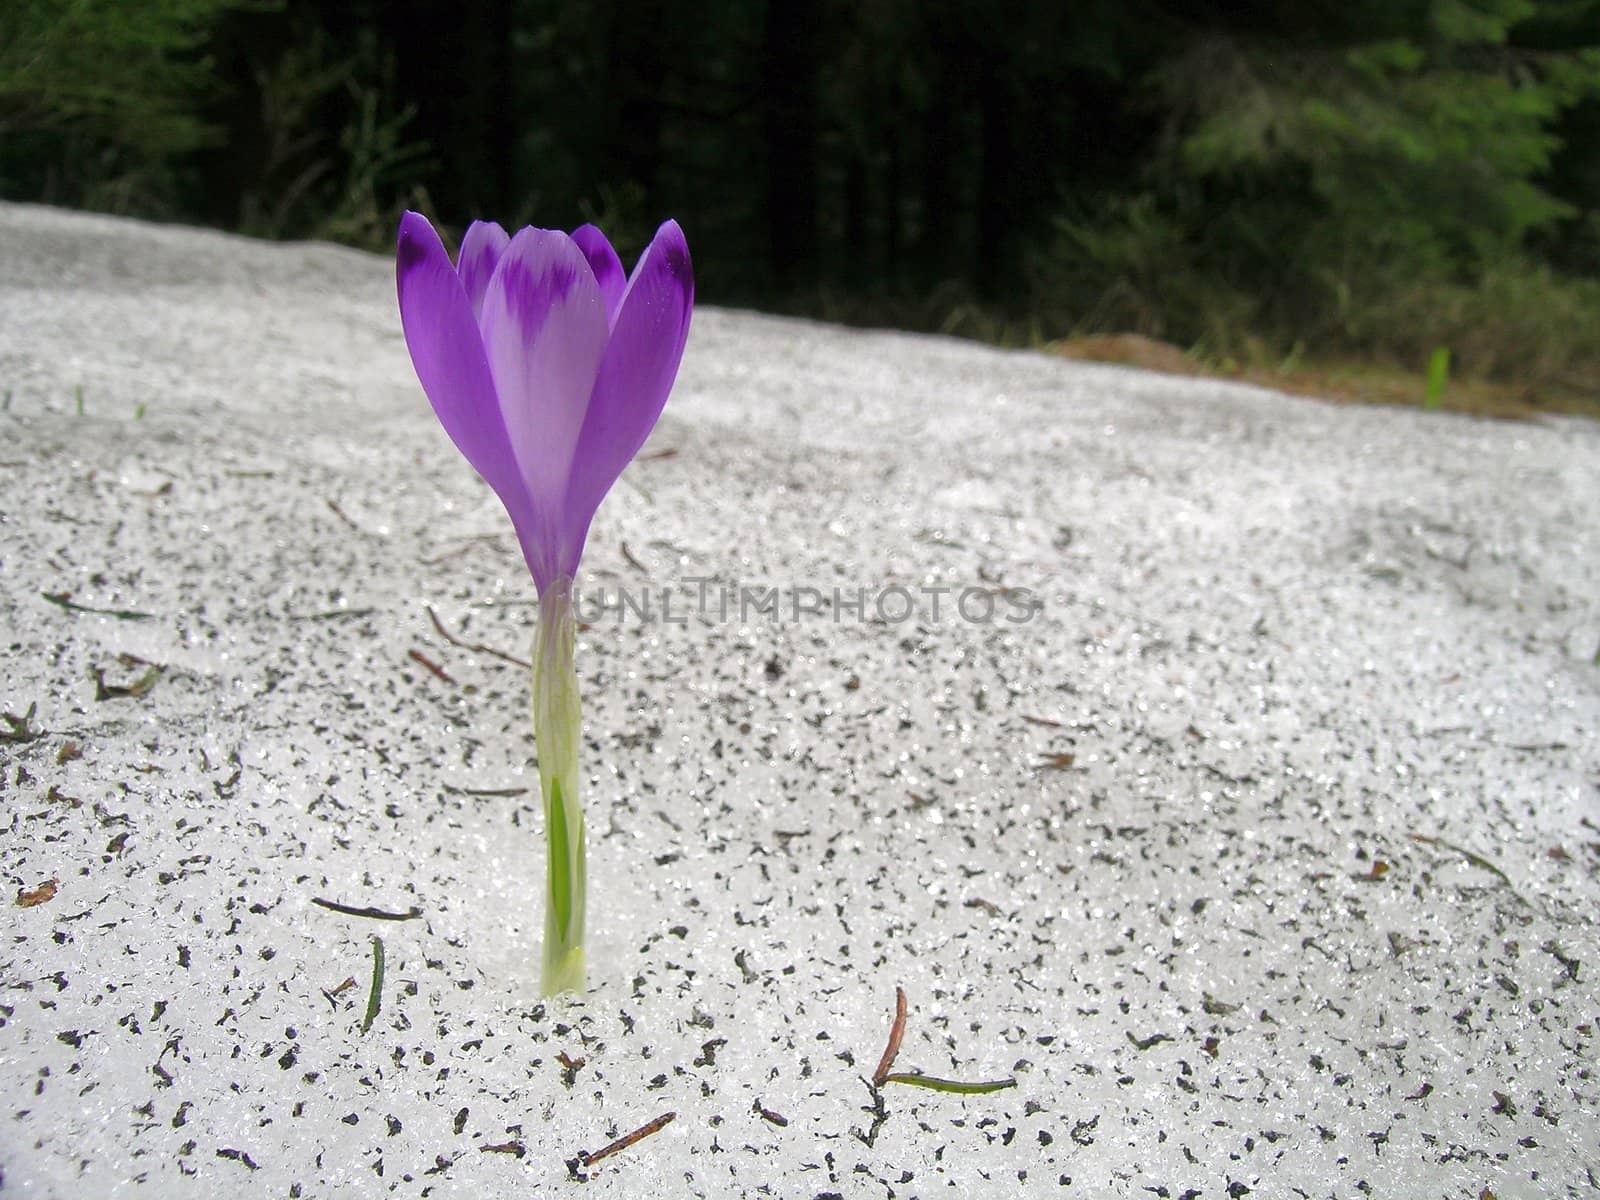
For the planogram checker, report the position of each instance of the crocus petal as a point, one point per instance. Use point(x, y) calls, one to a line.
point(640, 363)
point(544, 332)
point(605, 264)
point(448, 354)
point(481, 248)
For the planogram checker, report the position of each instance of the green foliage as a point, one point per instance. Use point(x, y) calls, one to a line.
point(334, 158)
point(1381, 187)
point(98, 97)
point(1428, 148)
point(1483, 22)
point(1132, 264)
point(376, 160)
point(291, 163)
point(1518, 321)
point(1377, 177)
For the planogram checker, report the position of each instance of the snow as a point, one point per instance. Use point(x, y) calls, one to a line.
point(1262, 854)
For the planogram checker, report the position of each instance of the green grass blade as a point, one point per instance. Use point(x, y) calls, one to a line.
point(1438, 377)
point(960, 1088)
point(375, 996)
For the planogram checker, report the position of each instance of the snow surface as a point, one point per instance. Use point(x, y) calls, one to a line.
point(1264, 855)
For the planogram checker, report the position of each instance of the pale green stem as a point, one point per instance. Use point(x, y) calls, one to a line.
point(556, 727)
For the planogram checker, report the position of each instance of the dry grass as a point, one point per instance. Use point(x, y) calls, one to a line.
point(1342, 381)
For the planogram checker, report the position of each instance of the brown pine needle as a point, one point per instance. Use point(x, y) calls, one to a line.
point(475, 647)
point(634, 562)
point(333, 507)
point(333, 996)
point(417, 656)
point(376, 914)
point(628, 1139)
point(513, 1147)
point(896, 1032)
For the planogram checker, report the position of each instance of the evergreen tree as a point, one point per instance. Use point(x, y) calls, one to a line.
point(98, 98)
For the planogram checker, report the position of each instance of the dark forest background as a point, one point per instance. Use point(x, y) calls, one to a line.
point(1251, 180)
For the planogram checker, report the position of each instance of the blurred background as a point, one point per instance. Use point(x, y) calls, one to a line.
point(1391, 199)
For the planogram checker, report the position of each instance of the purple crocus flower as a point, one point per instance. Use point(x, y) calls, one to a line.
point(546, 365)
point(548, 370)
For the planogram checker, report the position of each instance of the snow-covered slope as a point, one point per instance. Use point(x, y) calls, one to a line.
point(1237, 799)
